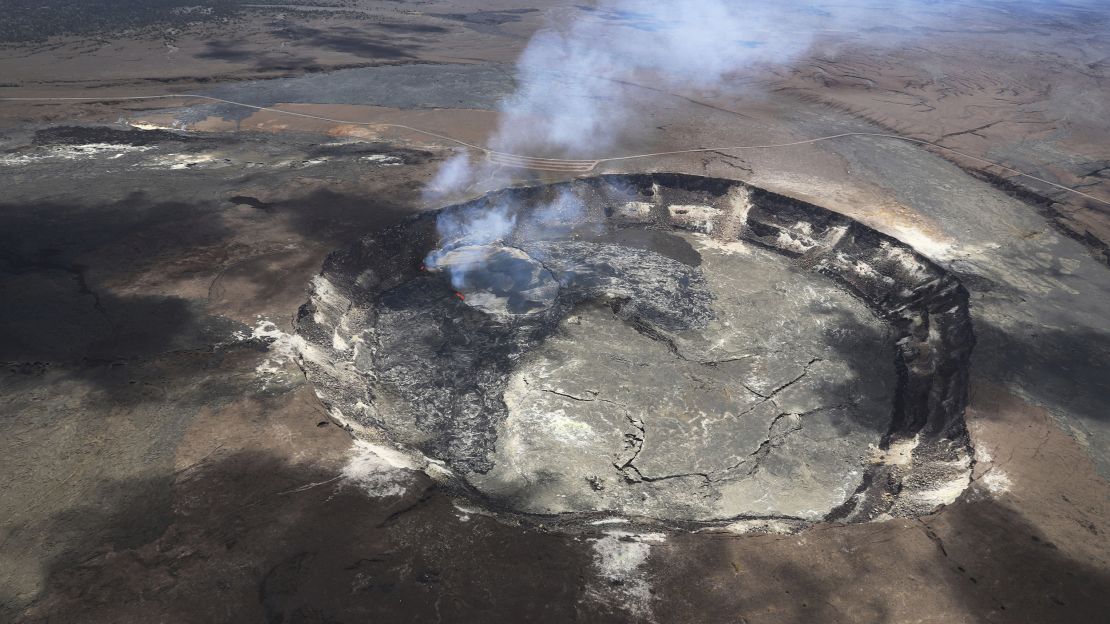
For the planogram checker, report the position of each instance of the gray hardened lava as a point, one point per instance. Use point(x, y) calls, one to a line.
point(654, 348)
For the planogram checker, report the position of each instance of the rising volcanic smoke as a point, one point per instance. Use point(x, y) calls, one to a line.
point(577, 81)
point(574, 81)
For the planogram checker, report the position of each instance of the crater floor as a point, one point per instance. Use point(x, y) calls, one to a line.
point(656, 347)
point(769, 410)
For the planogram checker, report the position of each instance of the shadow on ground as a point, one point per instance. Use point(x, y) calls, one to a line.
point(397, 45)
point(1055, 366)
point(249, 538)
point(53, 308)
point(972, 562)
point(237, 540)
point(56, 257)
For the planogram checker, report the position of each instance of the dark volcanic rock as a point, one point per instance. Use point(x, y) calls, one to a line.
point(82, 135)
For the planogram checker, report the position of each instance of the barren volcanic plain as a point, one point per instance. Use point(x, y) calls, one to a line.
point(495, 311)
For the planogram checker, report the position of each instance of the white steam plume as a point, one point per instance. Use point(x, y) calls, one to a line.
point(574, 79)
point(578, 81)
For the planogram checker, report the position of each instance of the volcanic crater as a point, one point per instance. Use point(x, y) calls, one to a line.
point(655, 348)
